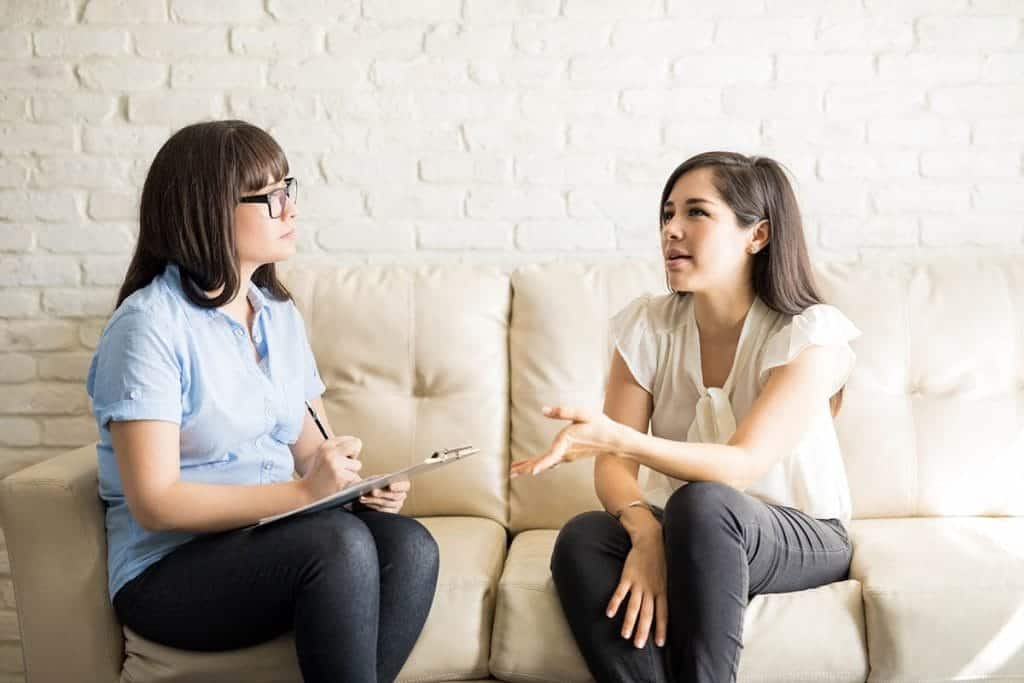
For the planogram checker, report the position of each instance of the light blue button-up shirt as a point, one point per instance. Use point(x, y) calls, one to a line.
point(163, 358)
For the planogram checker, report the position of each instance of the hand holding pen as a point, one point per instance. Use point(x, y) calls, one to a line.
point(334, 466)
point(390, 499)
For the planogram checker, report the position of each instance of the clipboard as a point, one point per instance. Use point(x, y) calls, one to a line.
point(436, 460)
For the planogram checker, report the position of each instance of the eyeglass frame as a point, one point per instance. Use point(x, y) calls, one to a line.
point(290, 189)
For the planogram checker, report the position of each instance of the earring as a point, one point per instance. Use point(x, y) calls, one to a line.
point(753, 250)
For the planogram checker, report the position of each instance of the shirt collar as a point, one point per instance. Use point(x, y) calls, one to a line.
point(256, 297)
point(171, 278)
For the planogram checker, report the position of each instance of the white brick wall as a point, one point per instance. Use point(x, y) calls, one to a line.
point(481, 131)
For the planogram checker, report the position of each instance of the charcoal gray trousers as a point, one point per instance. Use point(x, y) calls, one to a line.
point(722, 547)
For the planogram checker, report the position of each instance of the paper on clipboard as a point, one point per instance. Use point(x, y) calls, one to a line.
point(350, 493)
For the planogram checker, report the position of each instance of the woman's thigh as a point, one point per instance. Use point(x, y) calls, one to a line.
point(238, 588)
point(785, 549)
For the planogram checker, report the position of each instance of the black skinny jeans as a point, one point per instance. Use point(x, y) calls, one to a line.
point(722, 547)
point(355, 587)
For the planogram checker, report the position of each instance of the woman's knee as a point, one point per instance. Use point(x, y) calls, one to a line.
point(411, 544)
point(580, 537)
point(335, 538)
point(705, 504)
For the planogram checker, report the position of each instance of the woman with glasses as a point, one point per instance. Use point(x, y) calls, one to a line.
point(199, 386)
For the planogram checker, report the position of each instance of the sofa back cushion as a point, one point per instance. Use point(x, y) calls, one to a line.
point(933, 417)
point(416, 359)
point(561, 351)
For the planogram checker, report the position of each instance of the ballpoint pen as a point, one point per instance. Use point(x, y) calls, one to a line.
point(316, 419)
point(320, 426)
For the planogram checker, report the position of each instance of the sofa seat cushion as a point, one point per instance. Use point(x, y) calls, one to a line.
point(943, 598)
point(455, 643)
point(813, 635)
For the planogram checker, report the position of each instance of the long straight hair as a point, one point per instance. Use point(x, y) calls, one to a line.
point(757, 189)
point(187, 210)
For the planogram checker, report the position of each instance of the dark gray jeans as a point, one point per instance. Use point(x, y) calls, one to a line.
point(722, 548)
point(355, 588)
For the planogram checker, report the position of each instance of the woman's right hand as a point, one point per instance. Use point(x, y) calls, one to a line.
point(643, 580)
point(334, 466)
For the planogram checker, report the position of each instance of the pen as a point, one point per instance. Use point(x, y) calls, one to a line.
point(316, 419)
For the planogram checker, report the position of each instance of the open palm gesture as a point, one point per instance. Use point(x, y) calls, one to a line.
point(590, 433)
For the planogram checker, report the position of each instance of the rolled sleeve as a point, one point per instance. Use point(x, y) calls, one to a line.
point(313, 386)
point(135, 374)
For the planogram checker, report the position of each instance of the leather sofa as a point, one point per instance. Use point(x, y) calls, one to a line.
point(417, 358)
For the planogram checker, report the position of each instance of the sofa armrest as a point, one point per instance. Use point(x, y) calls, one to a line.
point(53, 519)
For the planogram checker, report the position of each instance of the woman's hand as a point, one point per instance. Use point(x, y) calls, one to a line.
point(589, 434)
point(390, 499)
point(643, 580)
point(334, 466)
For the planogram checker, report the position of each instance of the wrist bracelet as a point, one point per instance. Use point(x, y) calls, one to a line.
point(633, 504)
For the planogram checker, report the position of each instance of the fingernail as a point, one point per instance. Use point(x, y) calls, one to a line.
point(546, 409)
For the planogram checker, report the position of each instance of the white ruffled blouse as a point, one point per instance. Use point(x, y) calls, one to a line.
point(657, 337)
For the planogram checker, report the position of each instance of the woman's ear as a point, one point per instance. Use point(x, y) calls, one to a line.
point(760, 236)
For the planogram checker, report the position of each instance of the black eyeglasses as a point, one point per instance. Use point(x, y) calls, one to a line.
point(276, 199)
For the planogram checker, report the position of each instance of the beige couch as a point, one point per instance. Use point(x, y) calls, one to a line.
point(416, 358)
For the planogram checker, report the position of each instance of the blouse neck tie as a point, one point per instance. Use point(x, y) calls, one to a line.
point(714, 421)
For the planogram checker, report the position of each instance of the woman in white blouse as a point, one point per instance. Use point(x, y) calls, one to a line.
point(738, 372)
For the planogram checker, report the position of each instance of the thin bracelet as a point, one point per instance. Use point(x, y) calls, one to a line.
point(633, 504)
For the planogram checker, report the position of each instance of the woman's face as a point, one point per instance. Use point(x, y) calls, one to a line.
point(703, 244)
point(261, 239)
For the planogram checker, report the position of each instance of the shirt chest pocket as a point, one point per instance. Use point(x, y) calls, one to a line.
point(291, 411)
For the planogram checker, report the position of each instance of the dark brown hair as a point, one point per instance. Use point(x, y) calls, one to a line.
point(756, 189)
point(187, 210)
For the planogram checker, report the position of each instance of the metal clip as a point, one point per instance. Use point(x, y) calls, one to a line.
point(453, 453)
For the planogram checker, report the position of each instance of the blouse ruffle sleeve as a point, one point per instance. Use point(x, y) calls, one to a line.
point(818, 325)
point(631, 334)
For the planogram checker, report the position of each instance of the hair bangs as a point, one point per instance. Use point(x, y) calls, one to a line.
point(258, 158)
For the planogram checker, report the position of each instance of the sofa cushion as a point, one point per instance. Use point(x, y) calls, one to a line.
point(943, 598)
point(454, 643)
point(561, 351)
point(416, 359)
point(810, 635)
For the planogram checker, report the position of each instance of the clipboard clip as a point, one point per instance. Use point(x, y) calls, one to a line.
point(452, 453)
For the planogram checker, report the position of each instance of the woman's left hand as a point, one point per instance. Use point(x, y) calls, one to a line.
point(390, 499)
point(590, 433)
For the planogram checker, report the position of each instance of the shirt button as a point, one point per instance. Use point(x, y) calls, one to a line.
point(238, 332)
point(267, 465)
point(133, 394)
